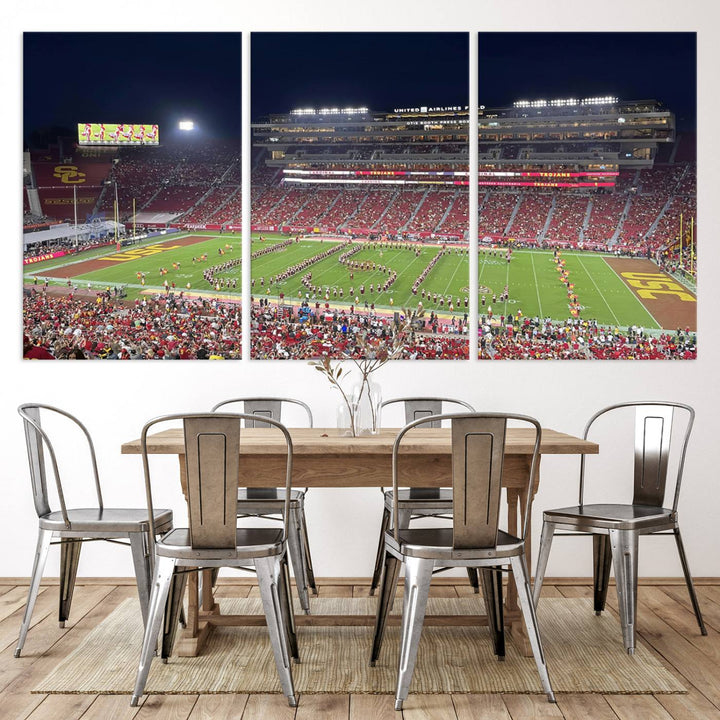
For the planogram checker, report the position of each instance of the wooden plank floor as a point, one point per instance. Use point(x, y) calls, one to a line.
point(665, 623)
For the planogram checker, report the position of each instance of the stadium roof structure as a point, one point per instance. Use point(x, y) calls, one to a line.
point(65, 231)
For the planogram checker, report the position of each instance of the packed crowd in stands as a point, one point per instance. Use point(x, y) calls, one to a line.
point(170, 327)
point(162, 327)
point(579, 339)
point(200, 183)
point(431, 211)
point(324, 332)
point(457, 218)
point(173, 327)
point(496, 209)
point(530, 216)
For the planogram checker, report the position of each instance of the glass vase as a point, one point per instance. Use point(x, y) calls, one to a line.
point(346, 419)
point(368, 399)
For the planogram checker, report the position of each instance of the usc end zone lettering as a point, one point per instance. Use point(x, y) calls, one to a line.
point(140, 253)
point(649, 285)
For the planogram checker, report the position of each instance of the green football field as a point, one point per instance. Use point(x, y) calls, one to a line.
point(531, 276)
point(535, 288)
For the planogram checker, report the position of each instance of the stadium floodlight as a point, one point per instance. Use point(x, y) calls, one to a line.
point(602, 100)
point(186, 125)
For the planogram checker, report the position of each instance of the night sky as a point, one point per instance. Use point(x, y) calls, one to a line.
point(381, 71)
point(631, 66)
point(133, 78)
point(163, 77)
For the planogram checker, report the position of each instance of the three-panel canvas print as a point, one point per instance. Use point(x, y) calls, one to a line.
point(394, 210)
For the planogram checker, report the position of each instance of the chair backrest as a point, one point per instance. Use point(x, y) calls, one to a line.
point(212, 461)
point(268, 407)
point(653, 432)
point(420, 407)
point(478, 449)
point(38, 442)
point(212, 465)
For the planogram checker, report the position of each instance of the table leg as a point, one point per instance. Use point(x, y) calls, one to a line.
point(201, 604)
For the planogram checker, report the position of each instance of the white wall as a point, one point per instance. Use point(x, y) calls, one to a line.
point(115, 399)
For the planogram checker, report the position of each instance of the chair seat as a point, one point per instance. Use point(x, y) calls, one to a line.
point(268, 500)
point(615, 517)
point(121, 520)
point(250, 543)
point(437, 543)
point(421, 499)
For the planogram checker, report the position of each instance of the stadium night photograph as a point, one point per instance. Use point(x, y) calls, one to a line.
point(587, 223)
point(360, 226)
point(132, 197)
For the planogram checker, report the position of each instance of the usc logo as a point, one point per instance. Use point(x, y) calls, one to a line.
point(69, 174)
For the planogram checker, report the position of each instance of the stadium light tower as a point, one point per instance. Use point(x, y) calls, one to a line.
point(186, 125)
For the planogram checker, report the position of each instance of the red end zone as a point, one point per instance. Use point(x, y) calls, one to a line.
point(669, 302)
point(133, 253)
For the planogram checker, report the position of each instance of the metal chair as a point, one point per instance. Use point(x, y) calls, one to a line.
point(213, 540)
point(417, 502)
point(474, 540)
point(268, 502)
point(71, 527)
point(616, 528)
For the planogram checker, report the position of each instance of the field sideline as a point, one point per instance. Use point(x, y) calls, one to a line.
point(612, 296)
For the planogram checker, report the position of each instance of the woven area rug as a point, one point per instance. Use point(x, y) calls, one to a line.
point(584, 654)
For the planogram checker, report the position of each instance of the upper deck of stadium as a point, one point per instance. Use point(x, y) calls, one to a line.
point(592, 133)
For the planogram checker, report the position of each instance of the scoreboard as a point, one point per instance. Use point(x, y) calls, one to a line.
point(115, 134)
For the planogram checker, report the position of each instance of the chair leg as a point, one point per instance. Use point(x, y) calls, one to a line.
point(474, 580)
point(418, 574)
point(41, 553)
point(522, 582)
point(307, 558)
point(493, 597)
point(69, 559)
point(286, 608)
point(380, 557)
point(546, 538)
point(385, 602)
point(688, 580)
point(164, 571)
point(404, 518)
point(143, 570)
point(173, 608)
point(268, 574)
point(624, 545)
point(602, 561)
point(294, 543)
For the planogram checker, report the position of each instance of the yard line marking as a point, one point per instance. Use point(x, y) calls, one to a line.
point(592, 279)
point(537, 289)
point(451, 278)
point(482, 267)
point(507, 285)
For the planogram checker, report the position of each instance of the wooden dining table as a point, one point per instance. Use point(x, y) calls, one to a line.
point(322, 457)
